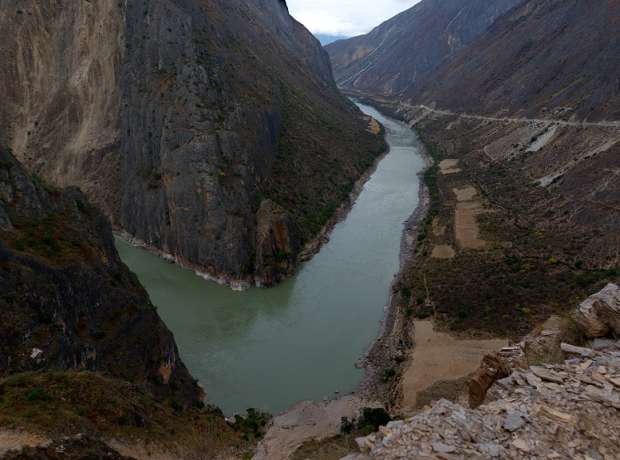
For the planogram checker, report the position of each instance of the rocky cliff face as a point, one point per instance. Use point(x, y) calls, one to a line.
point(67, 301)
point(179, 117)
point(403, 52)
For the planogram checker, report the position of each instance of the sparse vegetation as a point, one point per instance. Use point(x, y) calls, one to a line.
point(388, 374)
point(252, 426)
point(526, 274)
point(68, 403)
point(311, 187)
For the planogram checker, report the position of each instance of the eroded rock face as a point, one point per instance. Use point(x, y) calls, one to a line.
point(68, 302)
point(277, 243)
point(599, 314)
point(177, 117)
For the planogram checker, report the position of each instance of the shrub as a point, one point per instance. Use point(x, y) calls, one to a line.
point(373, 418)
point(346, 425)
point(253, 425)
point(388, 374)
point(38, 394)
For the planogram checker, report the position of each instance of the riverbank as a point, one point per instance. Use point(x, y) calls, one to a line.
point(388, 351)
point(230, 341)
point(314, 246)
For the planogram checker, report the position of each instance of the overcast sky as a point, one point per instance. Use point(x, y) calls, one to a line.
point(345, 17)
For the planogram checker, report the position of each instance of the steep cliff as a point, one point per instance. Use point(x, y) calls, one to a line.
point(178, 117)
point(403, 52)
point(68, 303)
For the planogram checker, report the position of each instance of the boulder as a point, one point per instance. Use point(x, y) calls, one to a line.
point(492, 369)
point(599, 314)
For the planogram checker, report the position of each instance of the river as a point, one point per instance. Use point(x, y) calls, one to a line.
point(271, 348)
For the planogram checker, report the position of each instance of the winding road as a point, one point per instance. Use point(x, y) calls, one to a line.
point(576, 124)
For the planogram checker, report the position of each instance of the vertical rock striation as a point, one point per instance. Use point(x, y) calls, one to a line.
point(179, 117)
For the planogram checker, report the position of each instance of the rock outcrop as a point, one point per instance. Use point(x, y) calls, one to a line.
point(179, 117)
point(277, 243)
point(564, 410)
point(568, 410)
point(67, 300)
point(599, 314)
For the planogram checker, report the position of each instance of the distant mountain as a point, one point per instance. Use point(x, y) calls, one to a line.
point(193, 126)
point(326, 39)
point(405, 50)
point(543, 56)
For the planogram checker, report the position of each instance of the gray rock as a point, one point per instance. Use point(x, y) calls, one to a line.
point(546, 374)
point(513, 422)
point(491, 449)
point(550, 420)
point(599, 344)
point(443, 448)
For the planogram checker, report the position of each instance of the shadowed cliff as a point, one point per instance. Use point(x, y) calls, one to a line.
point(68, 302)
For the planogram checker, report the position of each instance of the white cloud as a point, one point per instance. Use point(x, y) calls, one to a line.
point(345, 17)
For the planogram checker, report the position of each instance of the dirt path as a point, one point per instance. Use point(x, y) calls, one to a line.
point(438, 356)
point(467, 231)
point(16, 440)
point(577, 124)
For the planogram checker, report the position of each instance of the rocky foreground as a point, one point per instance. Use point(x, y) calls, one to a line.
point(569, 409)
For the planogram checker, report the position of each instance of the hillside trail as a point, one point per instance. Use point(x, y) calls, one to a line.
point(576, 124)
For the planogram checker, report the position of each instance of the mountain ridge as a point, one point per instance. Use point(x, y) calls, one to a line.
point(405, 50)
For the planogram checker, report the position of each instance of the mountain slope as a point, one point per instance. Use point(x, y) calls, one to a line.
point(558, 58)
point(524, 194)
point(403, 52)
point(179, 117)
point(68, 302)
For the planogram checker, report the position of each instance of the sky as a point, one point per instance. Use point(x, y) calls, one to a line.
point(345, 17)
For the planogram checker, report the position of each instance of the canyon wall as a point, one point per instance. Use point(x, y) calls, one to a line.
point(179, 117)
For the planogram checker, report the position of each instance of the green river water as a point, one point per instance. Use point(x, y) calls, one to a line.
point(271, 348)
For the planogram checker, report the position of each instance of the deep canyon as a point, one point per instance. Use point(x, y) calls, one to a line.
point(266, 348)
point(156, 154)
